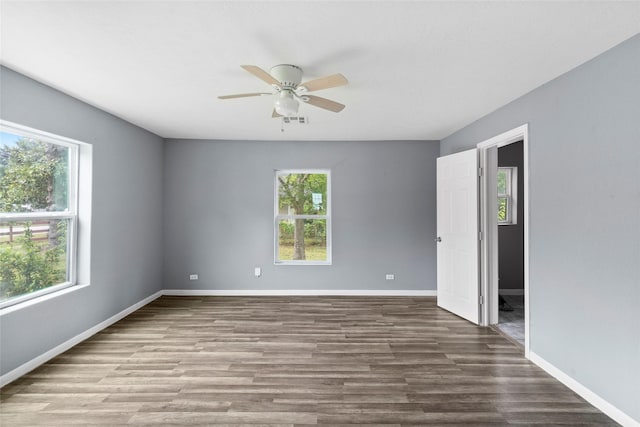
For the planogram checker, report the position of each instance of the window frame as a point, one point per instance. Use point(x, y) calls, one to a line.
point(71, 213)
point(279, 217)
point(511, 195)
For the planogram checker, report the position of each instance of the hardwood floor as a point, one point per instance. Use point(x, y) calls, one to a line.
point(293, 361)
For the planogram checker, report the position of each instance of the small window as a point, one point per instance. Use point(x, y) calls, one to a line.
point(507, 195)
point(38, 214)
point(303, 217)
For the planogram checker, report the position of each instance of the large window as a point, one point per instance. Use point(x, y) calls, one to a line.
point(38, 214)
point(303, 217)
point(507, 195)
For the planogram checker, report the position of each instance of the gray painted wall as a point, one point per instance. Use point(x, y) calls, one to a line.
point(126, 238)
point(584, 148)
point(219, 214)
point(511, 237)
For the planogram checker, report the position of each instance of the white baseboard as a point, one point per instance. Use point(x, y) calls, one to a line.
point(29, 366)
point(597, 401)
point(511, 291)
point(300, 292)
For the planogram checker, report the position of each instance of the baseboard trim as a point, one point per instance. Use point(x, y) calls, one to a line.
point(29, 366)
point(299, 292)
point(511, 291)
point(584, 392)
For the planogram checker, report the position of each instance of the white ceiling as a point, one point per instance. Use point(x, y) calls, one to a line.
point(417, 70)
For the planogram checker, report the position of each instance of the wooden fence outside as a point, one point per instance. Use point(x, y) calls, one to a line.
point(39, 230)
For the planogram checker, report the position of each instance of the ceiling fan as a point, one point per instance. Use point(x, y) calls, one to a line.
point(286, 81)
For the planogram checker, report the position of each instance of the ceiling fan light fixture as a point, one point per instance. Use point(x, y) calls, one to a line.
point(286, 81)
point(286, 105)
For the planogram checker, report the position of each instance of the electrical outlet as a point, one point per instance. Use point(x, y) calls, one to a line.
point(390, 277)
point(257, 272)
point(193, 277)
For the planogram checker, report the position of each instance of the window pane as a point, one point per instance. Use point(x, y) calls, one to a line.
point(33, 256)
point(503, 213)
point(302, 194)
point(33, 175)
point(502, 181)
point(302, 239)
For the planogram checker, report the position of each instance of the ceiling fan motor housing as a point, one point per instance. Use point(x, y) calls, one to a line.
point(289, 76)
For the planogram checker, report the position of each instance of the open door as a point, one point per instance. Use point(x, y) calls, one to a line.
point(457, 216)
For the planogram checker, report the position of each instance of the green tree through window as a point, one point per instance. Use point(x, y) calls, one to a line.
point(35, 215)
point(302, 216)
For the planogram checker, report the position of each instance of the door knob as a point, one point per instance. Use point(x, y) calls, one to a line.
point(438, 239)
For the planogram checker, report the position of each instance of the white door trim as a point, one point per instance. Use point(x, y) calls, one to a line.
point(488, 226)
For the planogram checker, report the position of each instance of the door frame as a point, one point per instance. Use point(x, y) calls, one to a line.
point(489, 227)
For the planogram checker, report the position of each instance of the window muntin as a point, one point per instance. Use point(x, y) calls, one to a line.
point(303, 217)
point(38, 214)
point(507, 179)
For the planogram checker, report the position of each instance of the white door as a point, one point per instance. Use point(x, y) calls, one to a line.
point(457, 206)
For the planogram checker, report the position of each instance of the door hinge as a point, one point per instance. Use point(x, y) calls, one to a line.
point(481, 300)
point(479, 171)
point(480, 235)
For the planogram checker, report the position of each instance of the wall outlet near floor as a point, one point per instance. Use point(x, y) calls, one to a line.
point(193, 277)
point(257, 272)
point(390, 277)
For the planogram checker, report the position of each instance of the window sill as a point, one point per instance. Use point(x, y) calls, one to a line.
point(33, 301)
point(302, 263)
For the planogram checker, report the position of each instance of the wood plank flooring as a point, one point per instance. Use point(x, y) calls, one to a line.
point(293, 361)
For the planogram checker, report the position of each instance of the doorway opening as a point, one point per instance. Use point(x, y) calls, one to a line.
point(510, 242)
point(504, 216)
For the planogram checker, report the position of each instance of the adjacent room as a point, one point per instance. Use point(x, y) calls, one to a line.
point(320, 213)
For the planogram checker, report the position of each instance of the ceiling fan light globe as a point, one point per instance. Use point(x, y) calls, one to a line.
point(286, 105)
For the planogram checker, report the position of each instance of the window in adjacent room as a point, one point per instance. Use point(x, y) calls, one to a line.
point(303, 217)
point(507, 195)
point(38, 214)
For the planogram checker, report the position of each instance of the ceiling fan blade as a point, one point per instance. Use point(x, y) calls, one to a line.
point(261, 74)
point(244, 95)
point(325, 82)
point(275, 115)
point(327, 104)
